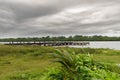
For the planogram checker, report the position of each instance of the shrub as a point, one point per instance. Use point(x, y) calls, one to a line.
point(79, 67)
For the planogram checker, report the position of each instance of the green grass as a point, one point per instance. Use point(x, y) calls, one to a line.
point(107, 58)
point(23, 60)
point(10, 66)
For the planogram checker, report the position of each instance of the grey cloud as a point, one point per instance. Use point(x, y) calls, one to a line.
point(23, 11)
point(19, 18)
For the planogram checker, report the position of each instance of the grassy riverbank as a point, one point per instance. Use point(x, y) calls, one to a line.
point(29, 62)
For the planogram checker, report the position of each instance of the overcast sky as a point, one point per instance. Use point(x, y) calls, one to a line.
point(32, 18)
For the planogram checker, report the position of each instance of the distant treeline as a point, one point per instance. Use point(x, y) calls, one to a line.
point(63, 38)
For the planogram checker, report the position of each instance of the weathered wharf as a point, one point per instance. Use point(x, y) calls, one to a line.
point(51, 43)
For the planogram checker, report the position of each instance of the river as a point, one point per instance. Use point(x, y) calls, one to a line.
point(98, 44)
point(103, 44)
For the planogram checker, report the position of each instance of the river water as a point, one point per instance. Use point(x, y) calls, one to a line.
point(98, 44)
point(103, 44)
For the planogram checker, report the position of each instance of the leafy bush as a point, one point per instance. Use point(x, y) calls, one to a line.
point(53, 74)
point(79, 67)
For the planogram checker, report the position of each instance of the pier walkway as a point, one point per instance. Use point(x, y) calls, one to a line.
point(51, 43)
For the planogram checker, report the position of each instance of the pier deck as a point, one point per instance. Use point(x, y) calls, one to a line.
point(51, 43)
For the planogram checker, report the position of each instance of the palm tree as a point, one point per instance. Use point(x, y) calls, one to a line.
point(68, 61)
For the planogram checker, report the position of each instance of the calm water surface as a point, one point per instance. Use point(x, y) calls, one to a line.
point(98, 44)
point(103, 44)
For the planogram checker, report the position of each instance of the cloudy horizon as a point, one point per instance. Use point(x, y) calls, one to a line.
point(30, 18)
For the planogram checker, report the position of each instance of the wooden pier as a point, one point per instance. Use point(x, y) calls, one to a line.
point(51, 43)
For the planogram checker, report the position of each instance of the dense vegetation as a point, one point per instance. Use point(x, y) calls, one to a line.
point(63, 38)
point(79, 67)
point(47, 63)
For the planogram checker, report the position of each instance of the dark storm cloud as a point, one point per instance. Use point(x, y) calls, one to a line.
point(23, 18)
